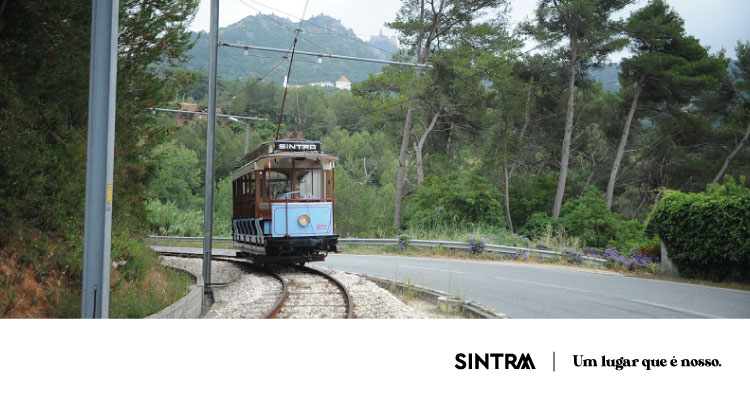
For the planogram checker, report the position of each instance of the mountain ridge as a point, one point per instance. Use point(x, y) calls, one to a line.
point(319, 34)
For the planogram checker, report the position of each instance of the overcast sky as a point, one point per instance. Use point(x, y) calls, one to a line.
point(717, 23)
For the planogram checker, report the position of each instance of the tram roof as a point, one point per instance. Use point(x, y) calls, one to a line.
point(279, 149)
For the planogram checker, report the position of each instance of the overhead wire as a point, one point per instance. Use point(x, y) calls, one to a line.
point(409, 96)
point(272, 69)
point(289, 73)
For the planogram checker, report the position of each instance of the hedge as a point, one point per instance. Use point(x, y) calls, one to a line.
point(707, 235)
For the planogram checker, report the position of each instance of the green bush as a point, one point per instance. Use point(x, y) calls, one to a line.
point(458, 200)
point(169, 220)
point(536, 225)
point(533, 195)
point(707, 234)
point(363, 210)
point(629, 234)
point(588, 219)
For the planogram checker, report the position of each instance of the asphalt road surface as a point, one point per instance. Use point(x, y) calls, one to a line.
point(546, 291)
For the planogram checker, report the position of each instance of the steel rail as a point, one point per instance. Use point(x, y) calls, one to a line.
point(281, 299)
point(341, 286)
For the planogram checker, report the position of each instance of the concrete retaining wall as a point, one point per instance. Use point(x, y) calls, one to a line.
point(188, 306)
point(668, 268)
point(467, 309)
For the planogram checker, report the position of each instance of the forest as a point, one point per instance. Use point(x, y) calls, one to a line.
point(492, 142)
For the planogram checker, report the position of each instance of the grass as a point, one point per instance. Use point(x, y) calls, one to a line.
point(411, 296)
point(157, 288)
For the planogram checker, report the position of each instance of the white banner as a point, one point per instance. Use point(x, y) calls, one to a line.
point(357, 359)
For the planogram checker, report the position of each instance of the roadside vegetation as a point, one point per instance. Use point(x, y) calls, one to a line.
point(491, 145)
point(44, 80)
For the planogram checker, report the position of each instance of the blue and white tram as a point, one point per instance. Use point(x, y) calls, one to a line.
point(283, 203)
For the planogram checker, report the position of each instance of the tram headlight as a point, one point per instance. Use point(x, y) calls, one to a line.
point(304, 219)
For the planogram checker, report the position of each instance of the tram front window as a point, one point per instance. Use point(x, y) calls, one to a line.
point(278, 186)
point(309, 184)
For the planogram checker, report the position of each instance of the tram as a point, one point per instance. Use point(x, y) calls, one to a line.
point(283, 203)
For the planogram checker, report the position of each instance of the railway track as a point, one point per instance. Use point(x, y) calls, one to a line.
point(302, 292)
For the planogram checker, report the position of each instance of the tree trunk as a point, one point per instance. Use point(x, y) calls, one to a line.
point(526, 123)
point(732, 155)
point(420, 170)
point(637, 209)
point(507, 197)
point(623, 144)
point(568, 131)
point(422, 53)
point(419, 145)
point(400, 175)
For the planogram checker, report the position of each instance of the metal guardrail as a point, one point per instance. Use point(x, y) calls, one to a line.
point(197, 239)
point(446, 244)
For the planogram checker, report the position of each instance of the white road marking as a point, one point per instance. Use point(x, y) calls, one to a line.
point(543, 284)
point(431, 269)
point(682, 310)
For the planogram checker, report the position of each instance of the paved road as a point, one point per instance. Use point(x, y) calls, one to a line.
point(544, 291)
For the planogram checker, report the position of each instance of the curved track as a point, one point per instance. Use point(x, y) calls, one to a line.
point(305, 292)
point(313, 294)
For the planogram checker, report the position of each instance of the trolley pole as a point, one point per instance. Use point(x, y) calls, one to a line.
point(100, 159)
point(208, 219)
point(247, 137)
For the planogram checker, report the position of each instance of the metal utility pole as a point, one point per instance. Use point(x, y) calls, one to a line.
point(100, 159)
point(208, 215)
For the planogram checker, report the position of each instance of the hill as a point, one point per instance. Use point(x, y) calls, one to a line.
point(320, 34)
point(607, 74)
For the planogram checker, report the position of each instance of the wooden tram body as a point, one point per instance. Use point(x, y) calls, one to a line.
point(283, 203)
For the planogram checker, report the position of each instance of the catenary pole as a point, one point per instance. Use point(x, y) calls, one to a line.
point(100, 159)
point(210, 134)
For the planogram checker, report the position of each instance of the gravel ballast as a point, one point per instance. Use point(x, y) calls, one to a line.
point(250, 293)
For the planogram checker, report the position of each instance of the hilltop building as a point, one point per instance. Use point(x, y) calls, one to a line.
point(343, 84)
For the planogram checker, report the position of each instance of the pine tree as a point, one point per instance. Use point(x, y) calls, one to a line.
point(667, 66)
point(582, 32)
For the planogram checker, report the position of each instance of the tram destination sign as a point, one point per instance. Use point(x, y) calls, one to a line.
point(296, 145)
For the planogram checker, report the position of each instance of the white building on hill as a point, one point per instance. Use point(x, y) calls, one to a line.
point(343, 84)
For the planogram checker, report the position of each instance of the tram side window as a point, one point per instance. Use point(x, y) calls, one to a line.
point(310, 184)
point(252, 186)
